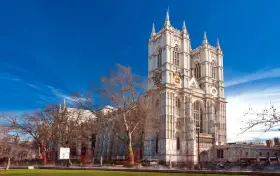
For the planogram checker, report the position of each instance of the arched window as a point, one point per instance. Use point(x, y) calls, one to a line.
point(197, 111)
point(213, 70)
point(178, 143)
point(159, 58)
point(176, 55)
point(177, 102)
point(197, 71)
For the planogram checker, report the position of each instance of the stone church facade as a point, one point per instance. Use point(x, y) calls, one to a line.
point(191, 101)
point(190, 107)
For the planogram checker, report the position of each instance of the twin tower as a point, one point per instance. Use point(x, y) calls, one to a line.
point(191, 84)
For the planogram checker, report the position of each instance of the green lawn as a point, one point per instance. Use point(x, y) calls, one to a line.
point(38, 172)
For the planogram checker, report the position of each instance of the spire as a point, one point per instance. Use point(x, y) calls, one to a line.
point(218, 44)
point(205, 37)
point(64, 104)
point(184, 29)
point(167, 21)
point(205, 41)
point(153, 30)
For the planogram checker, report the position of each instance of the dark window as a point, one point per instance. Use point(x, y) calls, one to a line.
point(177, 103)
point(220, 154)
point(260, 153)
point(213, 70)
point(159, 59)
point(157, 145)
point(178, 143)
point(197, 71)
point(176, 56)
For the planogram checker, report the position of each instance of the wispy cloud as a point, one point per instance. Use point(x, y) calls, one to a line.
point(9, 77)
point(262, 74)
point(46, 98)
point(44, 93)
point(14, 67)
point(34, 87)
point(239, 103)
point(60, 94)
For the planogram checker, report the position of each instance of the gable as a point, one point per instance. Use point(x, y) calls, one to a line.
point(193, 83)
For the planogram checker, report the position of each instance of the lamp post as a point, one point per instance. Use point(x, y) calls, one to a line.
point(198, 157)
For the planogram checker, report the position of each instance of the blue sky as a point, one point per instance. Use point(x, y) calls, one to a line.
point(48, 49)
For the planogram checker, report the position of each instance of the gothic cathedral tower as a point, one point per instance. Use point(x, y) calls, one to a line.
point(191, 101)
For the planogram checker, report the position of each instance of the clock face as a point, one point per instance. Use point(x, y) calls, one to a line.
point(214, 91)
point(177, 80)
point(157, 78)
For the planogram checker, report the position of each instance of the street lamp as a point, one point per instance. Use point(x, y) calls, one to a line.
point(198, 157)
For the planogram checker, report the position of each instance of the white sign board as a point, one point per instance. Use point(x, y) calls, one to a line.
point(64, 153)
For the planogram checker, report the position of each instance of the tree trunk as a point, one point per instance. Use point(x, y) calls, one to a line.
point(129, 150)
point(8, 163)
point(69, 163)
point(45, 157)
point(43, 153)
point(101, 161)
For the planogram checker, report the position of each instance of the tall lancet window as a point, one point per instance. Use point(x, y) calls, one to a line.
point(197, 71)
point(177, 104)
point(178, 143)
point(157, 144)
point(213, 70)
point(197, 112)
point(159, 58)
point(176, 55)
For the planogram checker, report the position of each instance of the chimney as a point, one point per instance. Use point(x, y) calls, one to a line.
point(276, 141)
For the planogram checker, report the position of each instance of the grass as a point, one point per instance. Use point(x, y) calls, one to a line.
point(38, 172)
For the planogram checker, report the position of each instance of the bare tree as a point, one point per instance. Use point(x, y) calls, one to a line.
point(128, 94)
point(71, 127)
point(36, 126)
point(266, 120)
point(97, 125)
point(11, 146)
point(100, 127)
